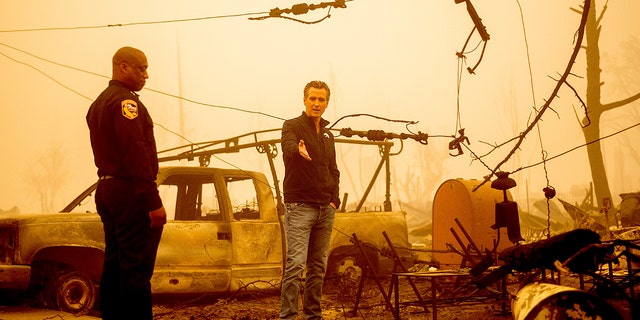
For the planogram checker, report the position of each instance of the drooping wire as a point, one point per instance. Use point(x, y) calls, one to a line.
point(456, 143)
point(370, 115)
point(543, 152)
point(163, 93)
point(214, 105)
point(328, 15)
point(462, 59)
point(576, 148)
point(78, 93)
point(461, 62)
point(132, 23)
point(46, 75)
point(90, 99)
point(106, 77)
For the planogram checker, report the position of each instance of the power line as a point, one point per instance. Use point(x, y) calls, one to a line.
point(50, 61)
point(132, 23)
point(233, 108)
point(300, 8)
point(577, 147)
point(46, 75)
point(154, 90)
point(213, 105)
point(106, 77)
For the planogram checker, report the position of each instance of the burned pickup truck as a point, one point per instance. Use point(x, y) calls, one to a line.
point(223, 234)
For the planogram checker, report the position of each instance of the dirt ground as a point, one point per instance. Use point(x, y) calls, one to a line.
point(339, 300)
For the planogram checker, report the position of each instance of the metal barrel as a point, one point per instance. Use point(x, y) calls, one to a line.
point(455, 199)
point(556, 302)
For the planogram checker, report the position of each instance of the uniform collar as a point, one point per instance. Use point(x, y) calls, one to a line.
point(123, 85)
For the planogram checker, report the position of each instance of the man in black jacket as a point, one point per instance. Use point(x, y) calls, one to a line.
point(311, 198)
point(127, 197)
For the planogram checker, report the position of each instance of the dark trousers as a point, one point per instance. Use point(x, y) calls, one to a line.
point(130, 252)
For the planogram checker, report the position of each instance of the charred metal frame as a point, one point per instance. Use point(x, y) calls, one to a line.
point(204, 150)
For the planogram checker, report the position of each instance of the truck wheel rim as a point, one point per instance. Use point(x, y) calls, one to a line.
point(75, 293)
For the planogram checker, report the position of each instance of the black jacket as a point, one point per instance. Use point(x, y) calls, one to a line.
point(316, 181)
point(122, 140)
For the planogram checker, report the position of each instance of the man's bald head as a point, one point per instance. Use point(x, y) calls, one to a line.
point(127, 55)
point(130, 67)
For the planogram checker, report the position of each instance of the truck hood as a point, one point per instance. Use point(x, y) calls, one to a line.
point(57, 217)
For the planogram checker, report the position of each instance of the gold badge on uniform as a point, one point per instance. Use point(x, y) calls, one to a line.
point(129, 109)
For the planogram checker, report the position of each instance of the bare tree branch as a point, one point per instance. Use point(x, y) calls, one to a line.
point(619, 103)
point(561, 81)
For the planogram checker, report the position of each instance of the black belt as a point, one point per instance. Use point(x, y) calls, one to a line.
point(106, 177)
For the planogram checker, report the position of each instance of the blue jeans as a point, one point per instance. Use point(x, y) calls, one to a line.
point(308, 232)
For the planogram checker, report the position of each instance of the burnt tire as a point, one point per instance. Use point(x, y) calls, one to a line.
point(349, 262)
point(72, 292)
point(348, 268)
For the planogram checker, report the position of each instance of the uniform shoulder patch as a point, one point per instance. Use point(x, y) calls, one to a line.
point(129, 109)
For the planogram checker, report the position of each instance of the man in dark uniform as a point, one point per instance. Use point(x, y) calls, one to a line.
point(127, 197)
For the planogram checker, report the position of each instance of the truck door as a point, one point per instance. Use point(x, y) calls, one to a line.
point(256, 235)
point(195, 253)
